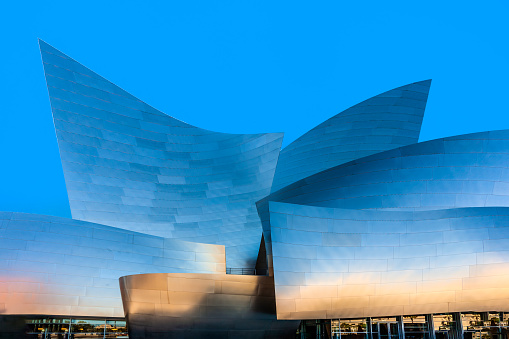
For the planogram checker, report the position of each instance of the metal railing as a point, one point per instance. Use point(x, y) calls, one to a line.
point(247, 271)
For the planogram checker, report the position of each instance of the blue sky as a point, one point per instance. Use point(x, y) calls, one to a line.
point(246, 67)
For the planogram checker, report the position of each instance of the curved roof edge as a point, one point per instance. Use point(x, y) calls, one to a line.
point(389, 120)
point(131, 166)
point(470, 170)
point(493, 144)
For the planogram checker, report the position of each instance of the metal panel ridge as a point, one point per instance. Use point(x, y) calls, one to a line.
point(131, 166)
point(386, 121)
point(470, 170)
point(60, 266)
point(342, 263)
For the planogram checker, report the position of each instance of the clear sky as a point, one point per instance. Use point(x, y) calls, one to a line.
point(246, 67)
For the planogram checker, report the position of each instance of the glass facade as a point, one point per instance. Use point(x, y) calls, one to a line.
point(416, 327)
point(351, 329)
point(444, 325)
point(71, 328)
point(468, 325)
point(485, 325)
point(385, 328)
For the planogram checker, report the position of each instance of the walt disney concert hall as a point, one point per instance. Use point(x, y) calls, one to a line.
point(355, 230)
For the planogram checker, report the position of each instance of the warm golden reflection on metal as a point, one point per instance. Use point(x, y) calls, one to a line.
point(183, 305)
point(337, 263)
point(363, 221)
point(79, 275)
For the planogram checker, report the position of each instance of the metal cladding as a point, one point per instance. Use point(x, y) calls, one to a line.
point(414, 230)
point(202, 306)
point(342, 263)
point(469, 170)
point(59, 266)
point(131, 166)
point(386, 121)
point(362, 220)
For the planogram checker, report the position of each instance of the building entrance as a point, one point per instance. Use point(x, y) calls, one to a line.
point(388, 330)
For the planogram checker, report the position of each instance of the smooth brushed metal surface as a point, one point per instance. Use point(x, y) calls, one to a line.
point(389, 120)
point(340, 263)
point(470, 170)
point(59, 266)
point(131, 166)
point(362, 221)
point(185, 305)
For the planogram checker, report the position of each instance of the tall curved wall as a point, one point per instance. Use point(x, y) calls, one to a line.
point(59, 266)
point(218, 306)
point(131, 166)
point(389, 120)
point(342, 263)
point(362, 221)
point(469, 170)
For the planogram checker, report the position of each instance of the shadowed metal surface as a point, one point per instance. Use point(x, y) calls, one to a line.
point(59, 266)
point(131, 166)
point(386, 121)
point(469, 170)
point(202, 305)
point(462, 171)
point(348, 233)
point(342, 263)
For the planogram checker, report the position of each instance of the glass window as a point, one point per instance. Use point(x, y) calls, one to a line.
point(444, 324)
point(385, 328)
point(61, 328)
point(115, 328)
point(504, 321)
point(349, 328)
point(47, 328)
point(484, 325)
point(88, 328)
point(416, 327)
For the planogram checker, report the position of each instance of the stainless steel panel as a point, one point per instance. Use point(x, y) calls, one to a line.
point(108, 138)
point(202, 305)
point(362, 220)
point(420, 177)
point(383, 122)
point(52, 265)
point(409, 269)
